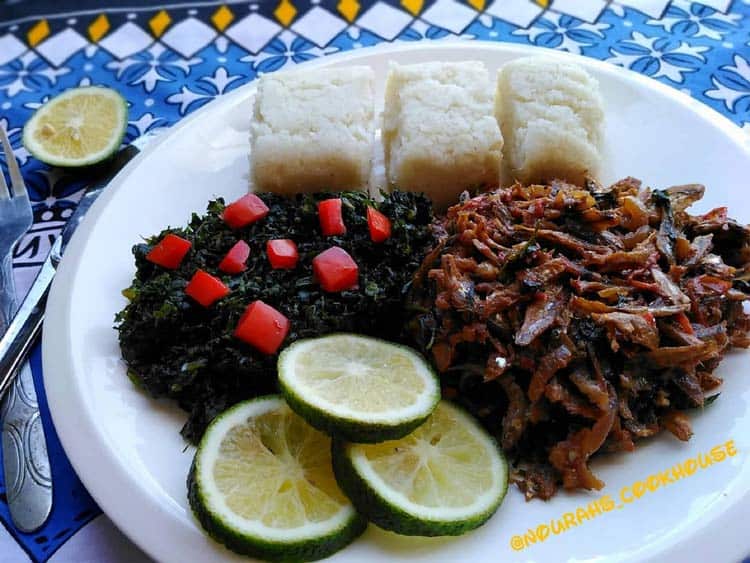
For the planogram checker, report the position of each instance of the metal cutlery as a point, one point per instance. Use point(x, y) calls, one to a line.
point(15, 219)
point(27, 471)
point(26, 462)
point(26, 325)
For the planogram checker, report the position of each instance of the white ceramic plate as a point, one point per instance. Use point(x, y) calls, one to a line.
point(127, 449)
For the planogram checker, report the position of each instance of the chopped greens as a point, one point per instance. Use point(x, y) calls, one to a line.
point(178, 349)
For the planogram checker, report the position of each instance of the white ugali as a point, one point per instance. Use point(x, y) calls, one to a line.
point(313, 130)
point(550, 112)
point(439, 132)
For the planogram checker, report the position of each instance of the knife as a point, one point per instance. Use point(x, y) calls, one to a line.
point(23, 329)
point(25, 459)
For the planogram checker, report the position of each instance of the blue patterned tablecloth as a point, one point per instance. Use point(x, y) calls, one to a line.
point(170, 59)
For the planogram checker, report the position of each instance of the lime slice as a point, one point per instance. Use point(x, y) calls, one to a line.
point(81, 126)
point(262, 484)
point(358, 388)
point(444, 479)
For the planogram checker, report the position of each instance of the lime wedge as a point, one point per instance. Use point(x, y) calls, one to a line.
point(358, 388)
point(81, 126)
point(445, 478)
point(262, 484)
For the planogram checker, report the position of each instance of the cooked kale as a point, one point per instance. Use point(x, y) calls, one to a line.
point(176, 348)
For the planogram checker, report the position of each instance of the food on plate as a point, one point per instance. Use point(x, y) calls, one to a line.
point(210, 357)
point(439, 132)
point(331, 217)
point(205, 288)
point(247, 209)
point(313, 130)
point(262, 484)
point(235, 260)
point(335, 270)
point(80, 127)
point(282, 253)
point(262, 327)
point(358, 388)
point(574, 321)
point(379, 225)
point(445, 478)
point(169, 251)
point(570, 319)
point(551, 115)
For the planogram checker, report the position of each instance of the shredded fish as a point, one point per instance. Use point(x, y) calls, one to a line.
point(578, 320)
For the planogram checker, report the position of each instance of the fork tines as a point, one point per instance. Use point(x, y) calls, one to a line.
point(16, 180)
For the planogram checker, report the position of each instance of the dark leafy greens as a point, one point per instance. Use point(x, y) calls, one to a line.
point(177, 349)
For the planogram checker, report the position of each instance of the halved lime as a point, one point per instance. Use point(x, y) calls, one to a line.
point(358, 388)
point(262, 484)
point(81, 126)
point(444, 479)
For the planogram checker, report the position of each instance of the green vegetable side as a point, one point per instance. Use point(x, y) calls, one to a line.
point(178, 349)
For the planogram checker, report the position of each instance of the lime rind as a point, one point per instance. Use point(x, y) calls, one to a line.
point(312, 541)
point(346, 429)
point(38, 150)
point(305, 549)
point(347, 422)
point(392, 510)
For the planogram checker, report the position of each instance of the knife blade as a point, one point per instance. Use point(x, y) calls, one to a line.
point(25, 326)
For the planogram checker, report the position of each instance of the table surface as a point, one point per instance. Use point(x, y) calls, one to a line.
point(170, 59)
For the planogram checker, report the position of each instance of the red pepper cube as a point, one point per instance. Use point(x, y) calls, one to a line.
point(248, 209)
point(169, 252)
point(331, 219)
point(282, 253)
point(234, 260)
point(263, 327)
point(379, 225)
point(335, 270)
point(206, 289)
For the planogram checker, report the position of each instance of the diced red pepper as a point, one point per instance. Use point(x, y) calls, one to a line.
point(335, 270)
point(169, 252)
point(248, 209)
point(234, 260)
point(649, 318)
point(263, 327)
point(379, 224)
point(282, 253)
point(206, 289)
point(684, 323)
point(331, 219)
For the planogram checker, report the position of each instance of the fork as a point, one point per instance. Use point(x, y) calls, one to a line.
point(25, 460)
point(15, 220)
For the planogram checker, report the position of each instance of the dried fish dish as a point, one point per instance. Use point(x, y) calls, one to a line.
point(578, 320)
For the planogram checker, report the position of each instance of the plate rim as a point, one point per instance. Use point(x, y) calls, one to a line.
point(77, 438)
